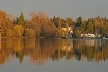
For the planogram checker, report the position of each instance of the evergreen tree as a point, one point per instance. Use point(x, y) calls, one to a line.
point(21, 20)
point(55, 21)
point(79, 21)
point(90, 27)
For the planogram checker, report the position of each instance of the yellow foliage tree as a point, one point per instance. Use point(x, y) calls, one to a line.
point(18, 31)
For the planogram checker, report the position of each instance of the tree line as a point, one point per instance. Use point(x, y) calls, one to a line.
point(40, 25)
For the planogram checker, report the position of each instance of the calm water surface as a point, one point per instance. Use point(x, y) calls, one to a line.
point(53, 55)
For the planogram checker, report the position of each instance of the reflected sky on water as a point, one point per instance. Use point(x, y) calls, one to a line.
point(53, 55)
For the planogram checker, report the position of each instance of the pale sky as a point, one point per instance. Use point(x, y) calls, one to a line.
point(61, 8)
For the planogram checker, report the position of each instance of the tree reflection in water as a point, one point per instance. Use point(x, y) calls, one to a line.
point(41, 50)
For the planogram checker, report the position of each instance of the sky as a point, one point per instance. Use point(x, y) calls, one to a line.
point(58, 8)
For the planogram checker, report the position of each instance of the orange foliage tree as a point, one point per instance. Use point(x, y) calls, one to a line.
point(41, 24)
point(2, 20)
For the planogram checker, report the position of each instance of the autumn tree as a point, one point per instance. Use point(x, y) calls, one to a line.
point(59, 26)
point(63, 23)
point(105, 29)
point(2, 20)
point(18, 31)
point(7, 30)
point(35, 23)
point(41, 24)
point(48, 28)
point(29, 32)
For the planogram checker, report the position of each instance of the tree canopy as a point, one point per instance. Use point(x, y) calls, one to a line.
point(40, 25)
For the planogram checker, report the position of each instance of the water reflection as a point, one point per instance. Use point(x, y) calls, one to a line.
point(41, 50)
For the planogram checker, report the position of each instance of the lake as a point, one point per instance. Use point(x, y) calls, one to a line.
point(53, 55)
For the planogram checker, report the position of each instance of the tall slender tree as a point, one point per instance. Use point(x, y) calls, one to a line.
point(2, 23)
point(21, 20)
